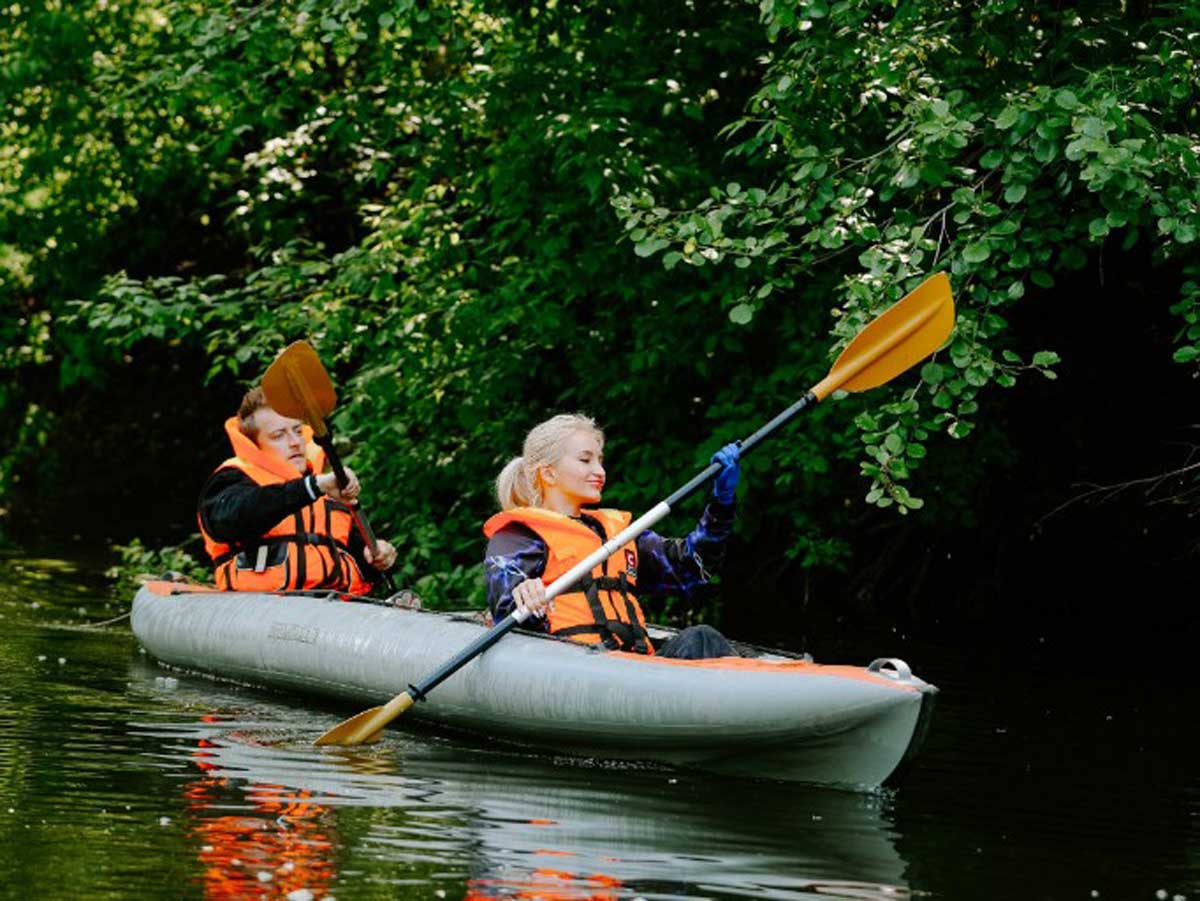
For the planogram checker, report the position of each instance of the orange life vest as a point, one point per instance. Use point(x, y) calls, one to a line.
point(603, 607)
point(307, 550)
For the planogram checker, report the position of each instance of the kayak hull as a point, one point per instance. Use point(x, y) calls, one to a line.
point(772, 717)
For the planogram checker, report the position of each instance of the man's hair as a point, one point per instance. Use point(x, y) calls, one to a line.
point(252, 402)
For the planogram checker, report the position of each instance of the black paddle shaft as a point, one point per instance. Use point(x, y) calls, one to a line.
point(745, 447)
point(325, 442)
point(462, 658)
point(491, 636)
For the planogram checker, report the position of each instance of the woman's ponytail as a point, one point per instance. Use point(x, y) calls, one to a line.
point(516, 487)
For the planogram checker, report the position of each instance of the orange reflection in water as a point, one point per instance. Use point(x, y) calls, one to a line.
point(546, 883)
point(278, 841)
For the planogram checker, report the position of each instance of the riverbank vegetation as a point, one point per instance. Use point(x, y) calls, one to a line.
point(666, 215)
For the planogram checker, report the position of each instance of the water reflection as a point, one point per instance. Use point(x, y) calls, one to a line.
point(114, 781)
point(276, 842)
point(269, 814)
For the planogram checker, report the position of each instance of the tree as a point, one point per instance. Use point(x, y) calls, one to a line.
point(1006, 142)
point(428, 193)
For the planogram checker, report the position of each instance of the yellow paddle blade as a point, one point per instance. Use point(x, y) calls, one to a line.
point(904, 334)
point(366, 727)
point(350, 732)
point(297, 385)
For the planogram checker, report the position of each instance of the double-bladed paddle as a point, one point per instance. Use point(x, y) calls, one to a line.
point(297, 385)
point(901, 336)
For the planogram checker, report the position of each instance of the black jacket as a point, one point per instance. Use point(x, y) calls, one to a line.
point(235, 509)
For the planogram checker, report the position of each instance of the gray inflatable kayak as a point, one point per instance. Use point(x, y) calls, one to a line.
point(772, 716)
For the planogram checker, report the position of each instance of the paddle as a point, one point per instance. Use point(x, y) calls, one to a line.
point(907, 332)
point(297, 385)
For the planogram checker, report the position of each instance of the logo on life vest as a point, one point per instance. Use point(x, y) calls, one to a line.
point(630, 564)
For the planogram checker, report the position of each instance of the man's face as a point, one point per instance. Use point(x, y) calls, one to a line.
point(283, 436)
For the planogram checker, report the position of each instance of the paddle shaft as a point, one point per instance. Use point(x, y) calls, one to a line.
point(307, 402)
point(839, 376)
point(745, 446)
point(360, 521)
point(325, 442)
point(309, 407)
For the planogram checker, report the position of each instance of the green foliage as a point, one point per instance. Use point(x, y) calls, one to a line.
point(137, 563)
point(421, 193)
point(484, 212)
point(1188, 309)
point(1004, 142)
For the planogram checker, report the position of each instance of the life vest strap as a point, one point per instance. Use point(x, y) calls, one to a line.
point(275, 540)
point(614, 634)
point(585, 629)
point(619, 583)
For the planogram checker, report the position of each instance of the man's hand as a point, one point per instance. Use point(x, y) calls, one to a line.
point(385, 558)
point(327, 483)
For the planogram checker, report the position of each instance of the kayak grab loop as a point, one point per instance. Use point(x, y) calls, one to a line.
point(892, 667)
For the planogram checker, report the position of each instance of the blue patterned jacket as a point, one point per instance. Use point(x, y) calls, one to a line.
point(665, 565)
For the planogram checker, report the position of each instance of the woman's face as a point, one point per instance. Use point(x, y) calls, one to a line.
point(579, 473)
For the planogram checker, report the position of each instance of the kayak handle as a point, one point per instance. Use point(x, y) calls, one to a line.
point(892, 667)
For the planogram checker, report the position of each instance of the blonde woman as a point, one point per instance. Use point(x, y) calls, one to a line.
point(549, 521)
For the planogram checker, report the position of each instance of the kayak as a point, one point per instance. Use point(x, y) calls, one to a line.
point(766, 714)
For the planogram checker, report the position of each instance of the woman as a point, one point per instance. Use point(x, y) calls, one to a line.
point(543, 530)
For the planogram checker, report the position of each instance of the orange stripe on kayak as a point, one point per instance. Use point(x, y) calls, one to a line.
point(791, 667)
point(168, 588)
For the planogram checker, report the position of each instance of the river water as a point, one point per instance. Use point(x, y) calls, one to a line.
point(119, 779)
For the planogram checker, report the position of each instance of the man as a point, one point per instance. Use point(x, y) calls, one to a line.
point(273, 521)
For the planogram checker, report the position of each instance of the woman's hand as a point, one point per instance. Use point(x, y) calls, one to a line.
point(531, 595)
point(386, 555)
point(328, 485)
point(725, 486)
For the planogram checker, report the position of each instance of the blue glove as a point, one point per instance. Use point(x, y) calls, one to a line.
point(725, 485)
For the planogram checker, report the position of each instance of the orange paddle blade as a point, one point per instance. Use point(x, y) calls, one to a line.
point(366, 727)
point(903, 335)
point(297, 385)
